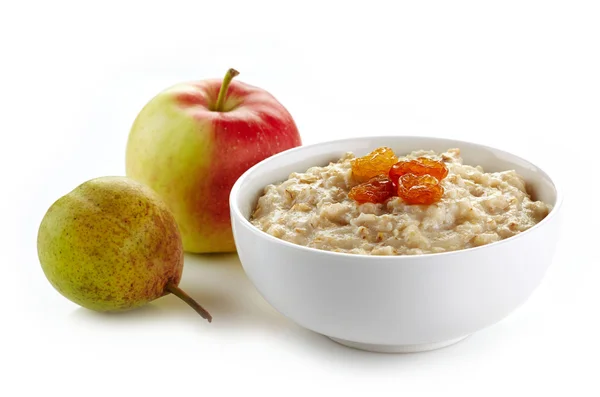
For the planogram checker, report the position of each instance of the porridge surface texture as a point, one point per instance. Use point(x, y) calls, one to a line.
point(477, 208)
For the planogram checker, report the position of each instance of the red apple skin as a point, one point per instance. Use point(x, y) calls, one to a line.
point(191, 155)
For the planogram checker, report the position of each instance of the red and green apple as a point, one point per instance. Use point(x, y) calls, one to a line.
point(190, 144)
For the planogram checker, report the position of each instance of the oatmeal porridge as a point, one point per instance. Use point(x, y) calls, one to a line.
point(473, 208)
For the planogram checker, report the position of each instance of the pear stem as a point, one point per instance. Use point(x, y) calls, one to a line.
point(178, 292)
point(231, 73)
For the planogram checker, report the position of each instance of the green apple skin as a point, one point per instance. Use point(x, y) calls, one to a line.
point(191, 154)
point(111, 244)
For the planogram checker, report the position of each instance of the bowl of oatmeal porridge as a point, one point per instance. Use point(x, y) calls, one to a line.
point(395, 244)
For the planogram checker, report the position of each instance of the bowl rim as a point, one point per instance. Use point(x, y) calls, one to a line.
point(235, 210)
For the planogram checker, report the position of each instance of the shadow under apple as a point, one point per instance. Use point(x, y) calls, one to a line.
point(218, 282)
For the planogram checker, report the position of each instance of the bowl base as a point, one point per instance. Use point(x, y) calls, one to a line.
point(397, 348)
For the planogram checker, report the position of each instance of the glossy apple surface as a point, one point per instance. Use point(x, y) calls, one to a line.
point(191, 153)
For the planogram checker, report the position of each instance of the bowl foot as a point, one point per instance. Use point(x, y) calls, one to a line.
point(397, 348)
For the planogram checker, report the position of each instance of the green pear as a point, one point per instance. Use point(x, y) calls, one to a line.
point(112, 244)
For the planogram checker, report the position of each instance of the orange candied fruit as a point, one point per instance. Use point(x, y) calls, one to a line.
point(376, 163)
point(419, 189)
point(419, 166)
point(376, 190)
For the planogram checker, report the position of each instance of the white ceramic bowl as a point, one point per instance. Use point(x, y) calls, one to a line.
point(393, 303)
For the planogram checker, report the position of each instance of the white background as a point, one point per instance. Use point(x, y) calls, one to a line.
point(523, 76)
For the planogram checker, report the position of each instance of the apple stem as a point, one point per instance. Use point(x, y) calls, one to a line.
point(231, 73)
point(178, 292)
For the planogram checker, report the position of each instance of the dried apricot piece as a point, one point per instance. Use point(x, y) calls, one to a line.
point(378, 162)
point(376, 190)
point(419, 189)
point(419, 166)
